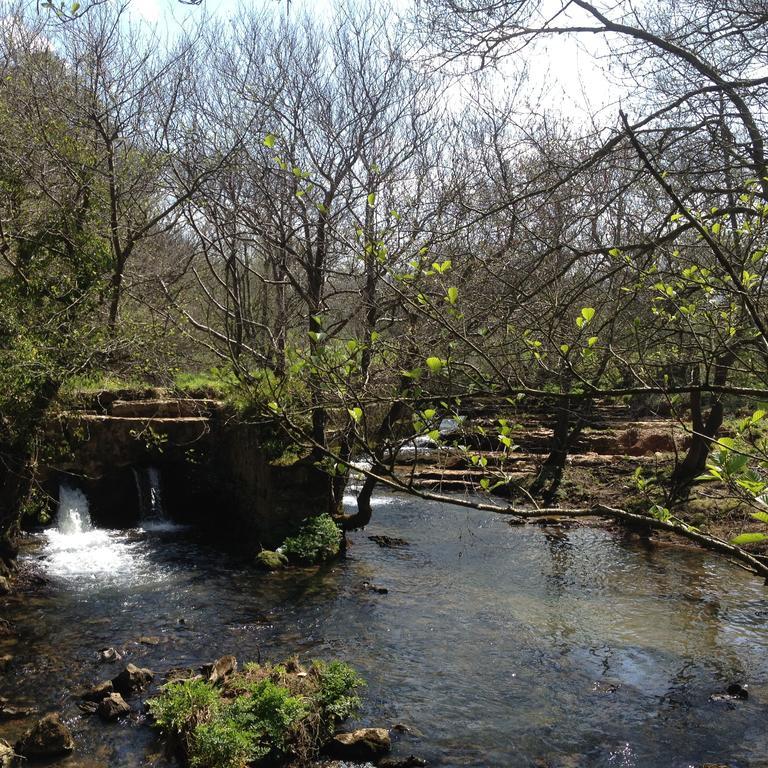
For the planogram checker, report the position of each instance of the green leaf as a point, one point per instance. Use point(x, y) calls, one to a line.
point(587, 313)
point(453, 295)
point(591, 341)
point(761, 516)
point(435, 364)
point(749, 538)
point(75, 7)
point(269, 140)
point(372, 199)
point(565, 348)
point(430, 413)
point(356, 413)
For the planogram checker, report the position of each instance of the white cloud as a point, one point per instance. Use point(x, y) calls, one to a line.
point(147, 9)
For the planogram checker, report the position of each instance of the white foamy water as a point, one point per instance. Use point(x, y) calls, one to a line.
point(80, 553)
point(376, 501)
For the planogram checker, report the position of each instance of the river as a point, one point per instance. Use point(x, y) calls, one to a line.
point(496, 646)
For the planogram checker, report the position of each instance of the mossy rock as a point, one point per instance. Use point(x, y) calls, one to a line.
point(270, 560)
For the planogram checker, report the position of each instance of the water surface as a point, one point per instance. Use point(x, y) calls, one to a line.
point(496, 646)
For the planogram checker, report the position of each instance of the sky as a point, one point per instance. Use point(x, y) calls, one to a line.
point(561, 69)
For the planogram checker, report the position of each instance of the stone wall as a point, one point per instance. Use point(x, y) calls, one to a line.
point(214, 469)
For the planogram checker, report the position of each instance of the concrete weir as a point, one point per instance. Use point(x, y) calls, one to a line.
point(215, 468)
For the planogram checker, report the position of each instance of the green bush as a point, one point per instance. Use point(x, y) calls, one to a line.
point(183, 700)
point(319, 539)
point(266, 715)
point(222, 743)
point(338, 683)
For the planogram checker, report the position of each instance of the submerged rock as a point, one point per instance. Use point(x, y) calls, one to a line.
point(389, 542)
point(49, 737)
point(271, 561)
point(131, 680)
point(98, 692)
point(734, 692)
point(402, 762)
point(150, 640)
point(374, 588)
point(113, 707)
point(362, 744)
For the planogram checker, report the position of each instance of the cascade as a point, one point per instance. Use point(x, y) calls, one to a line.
point(73, 515)
point(149, 493)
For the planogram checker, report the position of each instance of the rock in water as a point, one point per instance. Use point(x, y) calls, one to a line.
point(48, 738)
point(108, 655)
point(131, 680)
point(271, 561)
point(402, 762)
point(362, 744)
point(222, 669)
point(389, 542)
point(5, 586)
point(98, 692)
point(113, 707)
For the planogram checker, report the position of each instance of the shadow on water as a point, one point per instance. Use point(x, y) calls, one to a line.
point(496, 646)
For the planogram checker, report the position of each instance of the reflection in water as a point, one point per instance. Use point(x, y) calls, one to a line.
point(502, 647)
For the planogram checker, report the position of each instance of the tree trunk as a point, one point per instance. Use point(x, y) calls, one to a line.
point(704, 432)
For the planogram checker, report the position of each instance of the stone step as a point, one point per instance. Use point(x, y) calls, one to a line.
point(163, 409)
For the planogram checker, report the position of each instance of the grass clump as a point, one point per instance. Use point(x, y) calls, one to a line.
point(266, 715)
point(318, 539)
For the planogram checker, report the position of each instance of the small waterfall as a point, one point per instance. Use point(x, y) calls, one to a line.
point(149, 493)
point(155, 494)
point(73, 516)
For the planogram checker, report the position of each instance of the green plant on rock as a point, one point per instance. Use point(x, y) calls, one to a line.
point(266, 715)
point(319, 539)
point(338, 685)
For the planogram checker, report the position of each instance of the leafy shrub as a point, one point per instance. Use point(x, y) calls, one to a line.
point(318, 539)
point(222, 743)
point(183, 700)
point(338, 683)
point(266, 715)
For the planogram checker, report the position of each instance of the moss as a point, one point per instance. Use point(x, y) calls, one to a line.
point(266, 715)
point(319, 539)
point(270, 560)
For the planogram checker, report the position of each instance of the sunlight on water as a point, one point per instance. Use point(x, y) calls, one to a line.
point(79, 553)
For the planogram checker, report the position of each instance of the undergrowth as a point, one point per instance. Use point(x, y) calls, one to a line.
point(266, 715)
point(319, 539)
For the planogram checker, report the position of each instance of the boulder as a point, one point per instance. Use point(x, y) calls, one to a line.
point(98, 692)
point(362, 744)
point(109, 655)
point(222, 669)
point(113, 707)
point(7, 755)
point(49, 737)
point(131, 680)
point(271, 561)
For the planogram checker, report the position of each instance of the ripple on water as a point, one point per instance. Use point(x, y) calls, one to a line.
point(504, 647)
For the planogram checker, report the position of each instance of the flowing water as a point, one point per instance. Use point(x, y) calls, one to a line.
point(496, 646)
